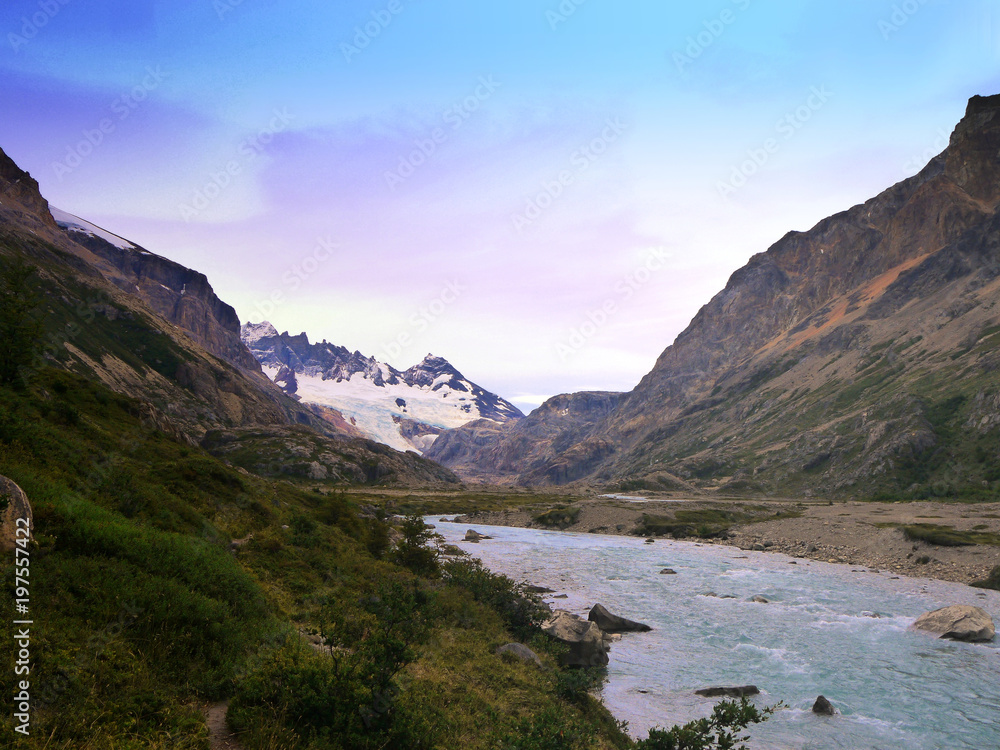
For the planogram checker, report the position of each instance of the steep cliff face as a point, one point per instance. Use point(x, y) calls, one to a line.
point(19, 194)
point(825, 362)
point(181, 295)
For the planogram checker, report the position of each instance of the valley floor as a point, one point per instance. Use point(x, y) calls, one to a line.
point(867, 535)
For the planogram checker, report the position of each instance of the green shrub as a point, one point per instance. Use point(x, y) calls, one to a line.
point(522, 611)
point(947, 536)
point(346, 696)
point(992, 582)
point(552, 729)
point(559, 517)
point(720, 731)
point(575, 684)
point(413, 552)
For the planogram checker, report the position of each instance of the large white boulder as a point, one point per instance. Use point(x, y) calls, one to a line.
point(958, 623)
point(587, 645)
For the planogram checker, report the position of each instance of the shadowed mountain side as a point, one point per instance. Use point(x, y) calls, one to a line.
point(552, 445)
point(858, 356)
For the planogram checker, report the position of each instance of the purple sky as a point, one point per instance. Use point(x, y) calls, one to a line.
point(543, 193)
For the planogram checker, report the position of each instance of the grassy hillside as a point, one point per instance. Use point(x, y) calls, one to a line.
point(143, 614)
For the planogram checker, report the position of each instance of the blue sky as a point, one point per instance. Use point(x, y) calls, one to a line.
point(543, 192)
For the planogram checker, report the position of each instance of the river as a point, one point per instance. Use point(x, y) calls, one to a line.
point(835, 630)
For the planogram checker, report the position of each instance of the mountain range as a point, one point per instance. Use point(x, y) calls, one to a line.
point(155, 331)
point(403, 409)
point(859, 358)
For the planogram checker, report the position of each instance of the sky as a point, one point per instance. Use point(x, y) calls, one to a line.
point(544, 192)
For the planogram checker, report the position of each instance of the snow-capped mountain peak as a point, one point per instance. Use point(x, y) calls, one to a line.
point(253, 332)
point(406, 410)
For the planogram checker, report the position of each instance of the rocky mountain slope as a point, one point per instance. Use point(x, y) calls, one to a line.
point(150, 329)
point(405, 409)
point(857, 358)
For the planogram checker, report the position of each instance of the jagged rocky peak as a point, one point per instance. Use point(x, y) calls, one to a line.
point(254, 332)
point(973, 155)
point(19, 186)
point(435, 372)
point(406, 410)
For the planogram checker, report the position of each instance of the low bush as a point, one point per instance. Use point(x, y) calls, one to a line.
point(991, 582)
point(522, 611)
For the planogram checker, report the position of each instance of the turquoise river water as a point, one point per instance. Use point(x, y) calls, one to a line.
point(829, 629)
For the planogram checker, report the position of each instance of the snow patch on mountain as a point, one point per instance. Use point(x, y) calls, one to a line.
point(76, 224)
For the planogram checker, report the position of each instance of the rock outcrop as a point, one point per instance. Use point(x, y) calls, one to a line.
point(728, 692)
point(823, 707)
point(610, 623)
point(958, 623)
point(14, 505)
point(587, 645)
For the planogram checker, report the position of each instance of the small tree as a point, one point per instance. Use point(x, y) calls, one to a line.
point(412, 551)
point(20, 329)
point(720, 731)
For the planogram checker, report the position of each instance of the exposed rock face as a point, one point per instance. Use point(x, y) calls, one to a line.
point(20, 188)
point(181, 295)
point(728, 692)
point(958, 623)
point(552, 445)
point(296, 451)
point(828, 362)
point(610, 623)
point(587, 645)
point(823, 707)
point(286, 379)
point(14, 505)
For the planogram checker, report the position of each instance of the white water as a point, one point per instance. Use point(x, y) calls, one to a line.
point(896, 688)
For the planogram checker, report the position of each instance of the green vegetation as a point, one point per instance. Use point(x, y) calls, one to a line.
point(720, 731)
point(167, 579)
point(20, 331)
point(947, 536)
point(559, 517)
point(450, 502)
point(992, 582)
point(704, 523)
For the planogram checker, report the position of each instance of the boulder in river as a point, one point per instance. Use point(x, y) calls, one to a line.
point(587, 644)
point(761, 599)
point(728, 692)
point(474, 536)
point(668, 572)
point(958, 623)
point(539, 590)
point(823, 707)
point(520, 651)
point(610, 623)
